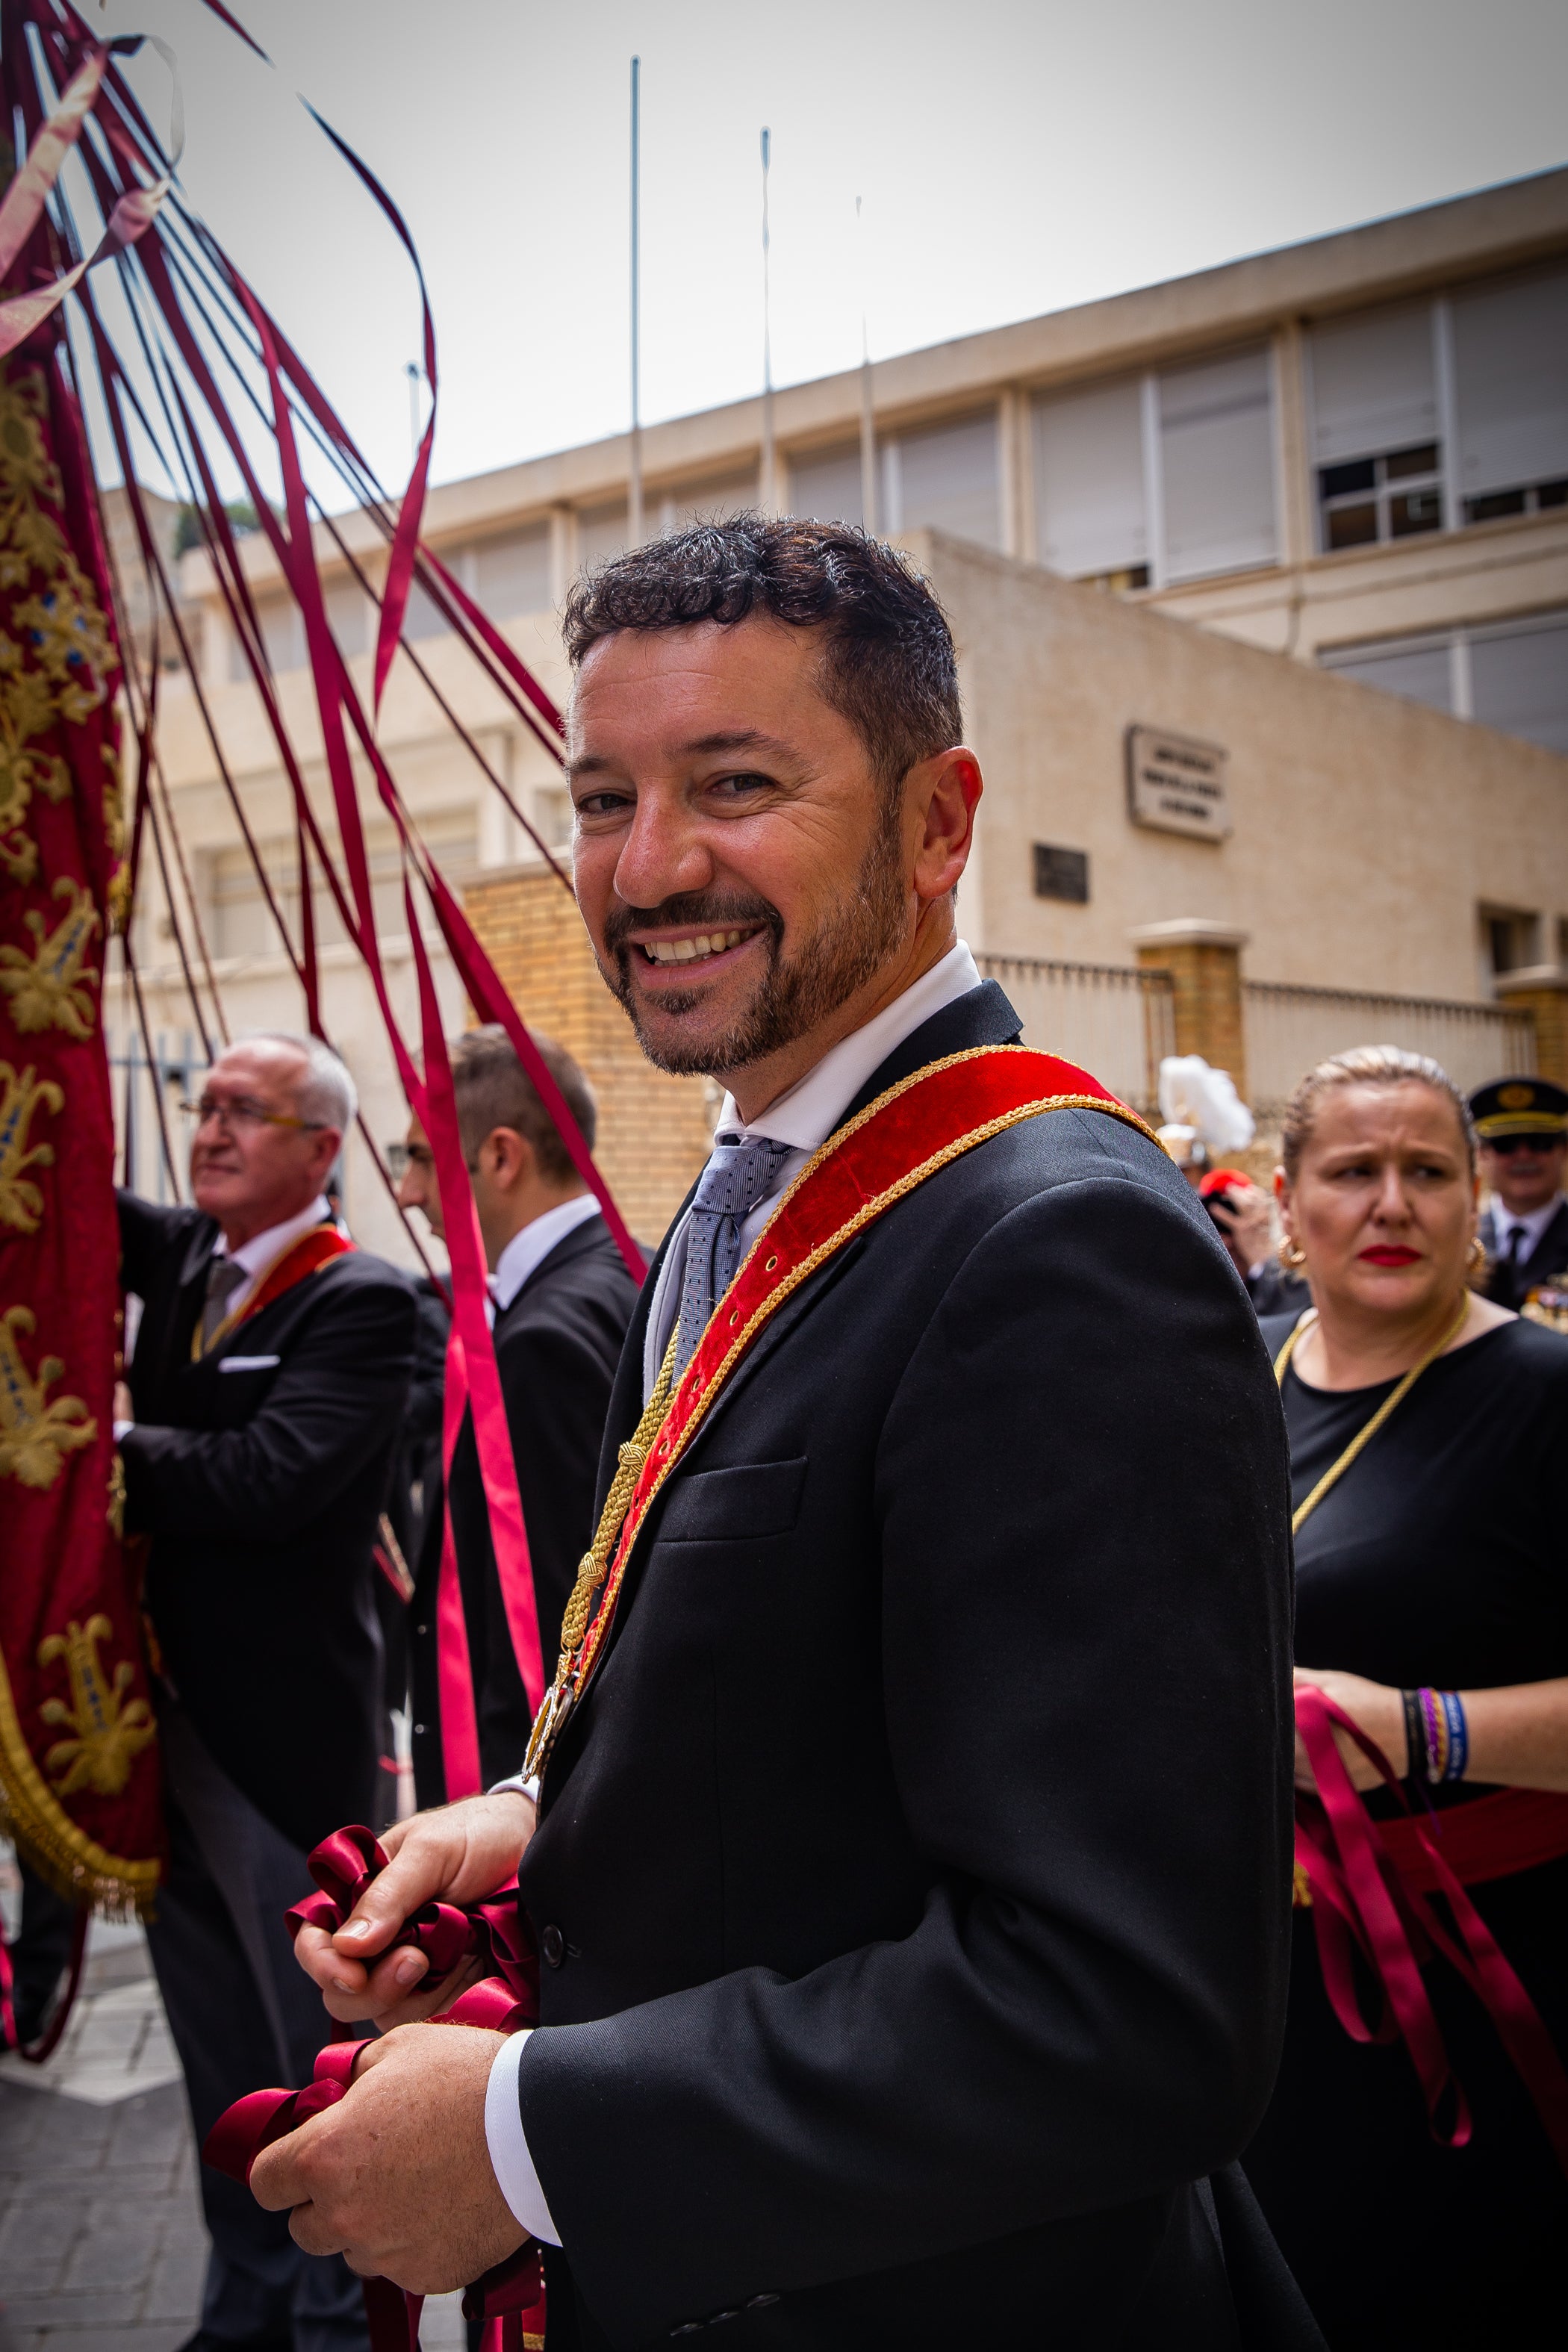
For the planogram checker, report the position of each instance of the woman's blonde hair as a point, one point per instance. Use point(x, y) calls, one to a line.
point(1367, 1066)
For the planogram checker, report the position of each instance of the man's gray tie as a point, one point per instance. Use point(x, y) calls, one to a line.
point(735, 1178)
point(224, 1279)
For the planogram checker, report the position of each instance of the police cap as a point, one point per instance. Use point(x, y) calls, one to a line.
point(1520, 1106)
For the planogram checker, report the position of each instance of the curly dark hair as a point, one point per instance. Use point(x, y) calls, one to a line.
point(887, 660)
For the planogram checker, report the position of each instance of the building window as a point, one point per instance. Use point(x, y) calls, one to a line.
point(1091, 521)
point(554, 815)
point(1381, 498)
point(1510, 674)
point(1435, 414)
point(947, 479)
point(825, 485)
point(1511, 939)
point(601, 533)
point(241, 923)
point(1159, 478)
point(509, 574)
point(1061, 874)
point(1511, 392)
point(1216, 467)
point(711, 501)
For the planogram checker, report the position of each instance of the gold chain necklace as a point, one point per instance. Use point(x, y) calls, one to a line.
point(1390, 1404)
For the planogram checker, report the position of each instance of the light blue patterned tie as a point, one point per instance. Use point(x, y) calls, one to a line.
point(734, 1181)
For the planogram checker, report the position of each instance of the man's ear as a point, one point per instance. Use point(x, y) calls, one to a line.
point(945, 791)
point(507, 1157)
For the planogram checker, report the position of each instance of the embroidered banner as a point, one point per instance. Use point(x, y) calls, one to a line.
point(78, 1784)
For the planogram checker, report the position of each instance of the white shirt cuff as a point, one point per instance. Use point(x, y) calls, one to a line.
point(528, 1788)
point(122, 1428)
point(508, 2143)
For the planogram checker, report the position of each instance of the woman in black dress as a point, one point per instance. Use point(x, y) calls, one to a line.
point(1432, 1565)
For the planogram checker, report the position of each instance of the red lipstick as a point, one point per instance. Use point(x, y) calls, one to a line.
point(1389, 1253)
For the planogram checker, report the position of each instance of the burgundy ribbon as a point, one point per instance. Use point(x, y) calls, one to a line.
point(510, 2298)
point(1361, 1902)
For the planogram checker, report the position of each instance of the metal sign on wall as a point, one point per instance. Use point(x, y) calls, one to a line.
point(1177, 784)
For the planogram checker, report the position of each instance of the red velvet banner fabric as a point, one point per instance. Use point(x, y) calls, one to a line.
point(78, 1778)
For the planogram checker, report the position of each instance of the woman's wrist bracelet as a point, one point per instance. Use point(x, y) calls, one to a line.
point(1436, 1736)
point(1415, 1736)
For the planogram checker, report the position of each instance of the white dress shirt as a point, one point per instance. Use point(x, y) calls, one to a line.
point(1533, 1226)
point(255, 1255)
point(803, 1119)
point(532, 1244)
point(259, 1253)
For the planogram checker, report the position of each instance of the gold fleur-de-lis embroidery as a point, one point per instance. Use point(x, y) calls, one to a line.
point(106, 1735)
point(49, 990)
point(71, 640)
point(36, 1435)
point(21, 1202)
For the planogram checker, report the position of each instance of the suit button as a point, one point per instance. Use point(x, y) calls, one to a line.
point(758, 2302)
point(689, 2327)
point(552, 1944)
point(717, 2315)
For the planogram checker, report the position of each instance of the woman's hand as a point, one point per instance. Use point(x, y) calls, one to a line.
point(1376, 1708)
point(455, 1854)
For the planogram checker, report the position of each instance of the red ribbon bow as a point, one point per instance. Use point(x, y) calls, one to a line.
point(510, 2298)
point(1361, 1902)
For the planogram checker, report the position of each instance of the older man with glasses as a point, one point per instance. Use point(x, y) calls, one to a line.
point(269, 1380)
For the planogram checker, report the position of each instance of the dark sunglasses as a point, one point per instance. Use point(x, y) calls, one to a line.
point(1505, 1146)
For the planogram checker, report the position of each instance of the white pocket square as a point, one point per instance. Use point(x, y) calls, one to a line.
point(248, 1363)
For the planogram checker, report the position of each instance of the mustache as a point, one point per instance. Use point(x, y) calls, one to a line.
point(707, 911)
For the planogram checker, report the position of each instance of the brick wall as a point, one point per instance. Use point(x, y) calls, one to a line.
point(654, 1130)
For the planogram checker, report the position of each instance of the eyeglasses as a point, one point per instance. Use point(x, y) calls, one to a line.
point(243, 1113)
point(1505, 1146)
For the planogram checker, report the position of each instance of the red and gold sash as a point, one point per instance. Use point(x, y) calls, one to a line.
point(893, 1145)
point(292, 1265)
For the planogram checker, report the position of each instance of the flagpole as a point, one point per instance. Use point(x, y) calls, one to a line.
point(868, 402)
point(768, 487)
point(635, 500)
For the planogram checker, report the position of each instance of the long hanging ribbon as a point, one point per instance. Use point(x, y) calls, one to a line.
point(1361, 1901)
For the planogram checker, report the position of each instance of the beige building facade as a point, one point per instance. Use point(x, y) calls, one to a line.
point(1346, 463)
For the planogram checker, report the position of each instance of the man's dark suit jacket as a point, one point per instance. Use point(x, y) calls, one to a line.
point(557, 1345)
point(260, 1490)
point(914, 1881)
point(1512, 1286)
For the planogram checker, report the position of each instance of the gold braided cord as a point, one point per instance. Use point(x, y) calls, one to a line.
point(593, 1566)
point(73, 1862)
point(1363, 1438)
point(582, 1633)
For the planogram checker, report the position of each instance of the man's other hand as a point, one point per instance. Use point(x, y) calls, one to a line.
point(397, 2175)
point(455, 1854)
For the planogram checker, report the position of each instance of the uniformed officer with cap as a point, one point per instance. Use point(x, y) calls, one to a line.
point(1522, 1124)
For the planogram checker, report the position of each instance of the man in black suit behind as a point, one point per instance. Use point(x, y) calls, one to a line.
point(562, 1299)
point(271, 1368)
point(912, 1881)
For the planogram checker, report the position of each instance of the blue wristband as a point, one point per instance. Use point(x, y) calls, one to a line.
point(1459, 1734)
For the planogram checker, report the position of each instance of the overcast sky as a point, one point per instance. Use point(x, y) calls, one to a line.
point(1012, 159)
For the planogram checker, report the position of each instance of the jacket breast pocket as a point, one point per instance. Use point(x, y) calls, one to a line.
point(757, 1499)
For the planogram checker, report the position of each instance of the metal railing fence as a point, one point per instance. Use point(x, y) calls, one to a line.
point(1116, 1021)
point(1289, 1028)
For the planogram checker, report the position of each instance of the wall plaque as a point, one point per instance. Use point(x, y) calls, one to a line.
point(1177, 784)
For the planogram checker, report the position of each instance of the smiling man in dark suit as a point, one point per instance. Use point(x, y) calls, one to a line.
point(271, 1368)
point(912, 1856)
point(562, 1299)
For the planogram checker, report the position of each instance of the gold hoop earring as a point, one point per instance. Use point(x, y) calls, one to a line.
point(1290, 1257)
point(1476, 1261)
